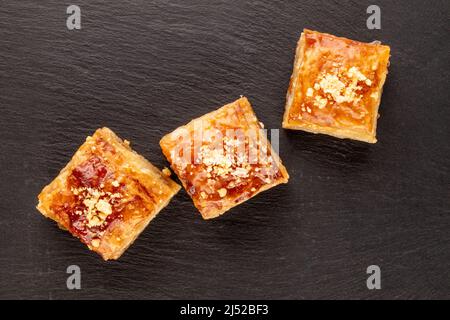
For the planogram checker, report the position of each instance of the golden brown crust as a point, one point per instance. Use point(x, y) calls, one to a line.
point(336, 86)
point(106, 195)
point(223, 158)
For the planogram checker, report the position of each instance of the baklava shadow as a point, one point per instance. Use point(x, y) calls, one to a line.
point(326, 150)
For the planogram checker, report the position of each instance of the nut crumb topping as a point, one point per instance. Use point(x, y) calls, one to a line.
point(95, 243)
point(115, 183)
point(98, 204)
point(225, 165)
point(222, 192)
point(166, 172)
point(225, 161)
point(338, 86)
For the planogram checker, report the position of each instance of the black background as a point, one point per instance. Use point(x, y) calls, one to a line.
point(143, 68)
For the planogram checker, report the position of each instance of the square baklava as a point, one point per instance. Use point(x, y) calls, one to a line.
point(336, 86)
point(107, 194)
point(223, 158)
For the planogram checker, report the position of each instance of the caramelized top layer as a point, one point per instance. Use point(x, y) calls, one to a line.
point(339, 81)
point(98, 194)
point(96, 200)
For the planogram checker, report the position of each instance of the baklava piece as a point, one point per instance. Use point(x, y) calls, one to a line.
point(223, 158)
point(336, 86)
point(107, 194)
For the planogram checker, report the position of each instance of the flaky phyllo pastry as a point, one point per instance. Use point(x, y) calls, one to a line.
point(223, 158)
point(107, 194)
point(336, 86)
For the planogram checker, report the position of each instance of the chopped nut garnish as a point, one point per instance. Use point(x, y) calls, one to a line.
point(104, 207)
point(98, 205)
point(95, 243)
point(222, 192)
point(339, 86)
point(166, 172)
point(115, 183)
point(240, 172)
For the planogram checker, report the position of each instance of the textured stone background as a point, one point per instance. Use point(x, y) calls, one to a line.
point(143, 68)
